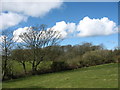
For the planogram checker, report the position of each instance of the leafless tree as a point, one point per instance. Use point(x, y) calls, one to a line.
point(6, 44)
point(20, 55)
point(36, 38)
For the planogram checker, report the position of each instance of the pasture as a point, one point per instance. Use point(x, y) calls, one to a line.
point(100, 76)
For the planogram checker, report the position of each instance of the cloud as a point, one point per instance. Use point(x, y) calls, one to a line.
point(26, 7)
point(1, 38)
point(10, 19)
point(71, 27)
point(29, 30)
point(61, 27)
point(18, 32)
point(64, 28)
point(85, 28)
point(95, 27)
point(18, 9)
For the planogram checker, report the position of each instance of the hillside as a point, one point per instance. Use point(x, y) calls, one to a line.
point(101, 76)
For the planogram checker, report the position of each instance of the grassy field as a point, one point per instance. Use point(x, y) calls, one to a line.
point(17, 68)
point(101, 76)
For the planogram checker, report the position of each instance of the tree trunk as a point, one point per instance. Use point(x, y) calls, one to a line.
point(33, 68)
point(24, 67)
point(5, 66)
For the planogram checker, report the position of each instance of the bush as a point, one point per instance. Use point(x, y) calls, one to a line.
point(108, 56)
point(73, 63)
point(44, 67)
point(59, 66)
point(96, 57)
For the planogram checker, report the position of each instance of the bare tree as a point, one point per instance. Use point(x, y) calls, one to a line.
point(6, 45)
point(20, 55)
point(36, 39)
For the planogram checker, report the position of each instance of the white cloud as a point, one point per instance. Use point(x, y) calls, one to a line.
point(71, 27)
point(18, 9)
point(2, 38)
point(18, 32)
point(95, 27)
point(61, 27)
point(34, 9)
point(10, 19)
point(64, 28)
point(86, 27)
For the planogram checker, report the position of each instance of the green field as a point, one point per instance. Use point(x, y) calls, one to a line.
point(101, 76)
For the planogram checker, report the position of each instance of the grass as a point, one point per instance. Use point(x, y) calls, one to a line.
point(17, 68)
point(100, 76)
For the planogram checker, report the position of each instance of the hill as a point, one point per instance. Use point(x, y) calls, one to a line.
point(100, 76)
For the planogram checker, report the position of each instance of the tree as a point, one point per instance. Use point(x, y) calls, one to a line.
point(6, 46)
point(20, 55)
point(36, 39)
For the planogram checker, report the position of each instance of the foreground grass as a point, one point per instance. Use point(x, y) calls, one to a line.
point(101, 76)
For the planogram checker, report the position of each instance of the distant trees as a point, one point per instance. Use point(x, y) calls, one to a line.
point(53, 52)
point(117, 54)
point(72, 56)
point(40, 50)
point(58, 58)
point(97, 57)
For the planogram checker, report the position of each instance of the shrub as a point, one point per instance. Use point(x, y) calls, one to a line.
point(73, 63)
point(96, 57)
point(58, 66)
point(44, 67)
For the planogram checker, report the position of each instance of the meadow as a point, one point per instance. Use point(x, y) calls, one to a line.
point(99, 76)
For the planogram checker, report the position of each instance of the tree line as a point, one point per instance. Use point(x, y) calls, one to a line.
point(41, 45)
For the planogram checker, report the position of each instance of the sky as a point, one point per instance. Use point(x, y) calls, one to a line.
point(77, 22)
